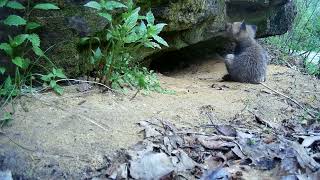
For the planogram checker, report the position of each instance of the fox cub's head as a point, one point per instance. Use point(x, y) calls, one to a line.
point(240, 30)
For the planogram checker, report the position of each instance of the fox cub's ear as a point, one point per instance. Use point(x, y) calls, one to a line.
point(254, 28)
point(243, 26)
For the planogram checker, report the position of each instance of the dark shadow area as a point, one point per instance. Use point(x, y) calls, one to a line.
point(173, 61)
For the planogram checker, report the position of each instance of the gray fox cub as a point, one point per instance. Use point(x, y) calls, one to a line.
point(249, 62)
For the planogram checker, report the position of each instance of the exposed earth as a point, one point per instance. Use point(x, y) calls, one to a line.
point(66, 136)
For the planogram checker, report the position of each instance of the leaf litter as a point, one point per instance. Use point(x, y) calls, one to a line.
point(219, 152)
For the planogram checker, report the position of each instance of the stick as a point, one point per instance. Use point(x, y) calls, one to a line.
point(84, 81)
point(134, 95)
point(291, 99)
point(15, 143)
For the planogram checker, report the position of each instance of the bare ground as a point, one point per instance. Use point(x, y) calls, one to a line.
point(65, 136)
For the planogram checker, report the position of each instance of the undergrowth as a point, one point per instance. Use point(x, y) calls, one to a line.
point(304, 38)
point(118, 47)
point(24, 52)
point(114, 52)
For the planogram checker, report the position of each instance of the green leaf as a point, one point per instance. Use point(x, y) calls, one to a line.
point(106, 15)
point(14, 5)
point(8, 83)
point(6, 48)
point(14, 20)
point(7, 117)
point(32, 25)
point(97, 55)
point(150, 18)
point(53, 83)
point(152, 30)
point(109, 36)
point(84, 40)
point(148, 44)
point(21, 62)
point(46, 6)
point(2, 70)
point(18, 61)
point(111, 5)
point(142, 28)
point(47, 77)
point(58, 89)
point(97, 39)
point(38, 51)
point(3, 2)
point(160, 40)
point(18, 40)
point(26, 63)
point(159, 27)
point(94, 5)
point(59, 73)
point(132, 37)
point(131, 21)
point(34, 39)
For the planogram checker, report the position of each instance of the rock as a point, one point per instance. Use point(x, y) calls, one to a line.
point(189, 22)
point(5, 175)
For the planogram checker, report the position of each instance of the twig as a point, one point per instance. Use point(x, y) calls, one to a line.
point(291, 99)
point(134, 95)
point(311, 92)
point(17, 144)
point(260, 120)
point(84, 81)
point(239, 146)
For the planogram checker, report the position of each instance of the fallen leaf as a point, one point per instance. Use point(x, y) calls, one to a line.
point(184, 161)
point(219, 173)
point(308, 141)
point(303, 158)
point(207, 142)
point(151, 166)
point(226, 130)
point(149, 131)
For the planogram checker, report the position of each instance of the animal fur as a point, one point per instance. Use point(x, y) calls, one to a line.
point(249, 62)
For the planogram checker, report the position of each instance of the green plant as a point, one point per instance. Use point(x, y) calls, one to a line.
point(251, 142)
point(7, 117)
point(24, 51)
point(304, 37)
point(51, 79)
point(127, 33)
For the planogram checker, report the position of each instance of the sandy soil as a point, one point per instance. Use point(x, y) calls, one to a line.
point(65, 136)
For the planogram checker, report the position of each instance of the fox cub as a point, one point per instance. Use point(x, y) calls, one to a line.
point(249, 62)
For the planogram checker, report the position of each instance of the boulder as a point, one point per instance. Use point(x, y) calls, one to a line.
point(200, 23)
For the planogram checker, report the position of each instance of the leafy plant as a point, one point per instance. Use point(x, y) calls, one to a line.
point(51, 79)
point(304, 37)
point(127, 33)
point(23, 50)
point(312, 68)
point(7, 117)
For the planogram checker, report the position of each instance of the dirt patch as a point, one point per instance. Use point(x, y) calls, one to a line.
point(69, 135)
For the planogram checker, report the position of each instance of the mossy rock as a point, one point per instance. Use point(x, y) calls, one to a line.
point(189, 23)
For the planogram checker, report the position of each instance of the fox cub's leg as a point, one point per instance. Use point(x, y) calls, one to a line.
point(229, 58)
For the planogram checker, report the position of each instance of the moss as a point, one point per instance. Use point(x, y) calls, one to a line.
point(185, 13)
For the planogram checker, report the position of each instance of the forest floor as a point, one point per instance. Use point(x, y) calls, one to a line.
point(74, 135)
